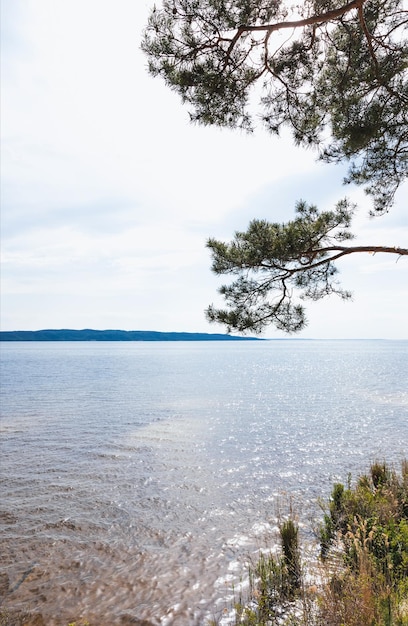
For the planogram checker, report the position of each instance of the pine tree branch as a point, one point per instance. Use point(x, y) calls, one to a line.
point(273, 261)
point(345, 250)
point(370, 39)
point(293, 24)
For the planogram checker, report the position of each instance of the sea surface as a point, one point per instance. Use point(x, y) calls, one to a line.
point(139, 479)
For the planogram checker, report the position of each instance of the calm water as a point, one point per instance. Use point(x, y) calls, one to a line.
point(138, 478)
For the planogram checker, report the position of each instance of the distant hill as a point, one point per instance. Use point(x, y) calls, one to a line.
point(113, 335)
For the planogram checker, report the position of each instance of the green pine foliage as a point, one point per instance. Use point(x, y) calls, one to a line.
point(334, 72)
point(274, 262)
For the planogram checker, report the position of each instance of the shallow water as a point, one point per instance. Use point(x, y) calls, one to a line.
point(138, 478)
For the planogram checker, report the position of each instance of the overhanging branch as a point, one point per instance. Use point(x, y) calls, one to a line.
point(345, 250)
point(292, 24)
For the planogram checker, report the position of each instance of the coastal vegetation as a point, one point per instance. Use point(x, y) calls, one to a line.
point(361, 575)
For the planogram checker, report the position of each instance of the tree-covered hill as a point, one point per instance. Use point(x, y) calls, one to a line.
point(111, 335)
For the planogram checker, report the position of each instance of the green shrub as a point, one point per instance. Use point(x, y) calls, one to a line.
point(368, 526)
point(289, 534)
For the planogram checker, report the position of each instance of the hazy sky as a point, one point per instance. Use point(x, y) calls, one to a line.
point(109, 194)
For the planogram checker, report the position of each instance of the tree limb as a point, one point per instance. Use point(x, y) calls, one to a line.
point(329, 16)
point(273, 261)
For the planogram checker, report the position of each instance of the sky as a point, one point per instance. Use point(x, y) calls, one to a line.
point(108, 193)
